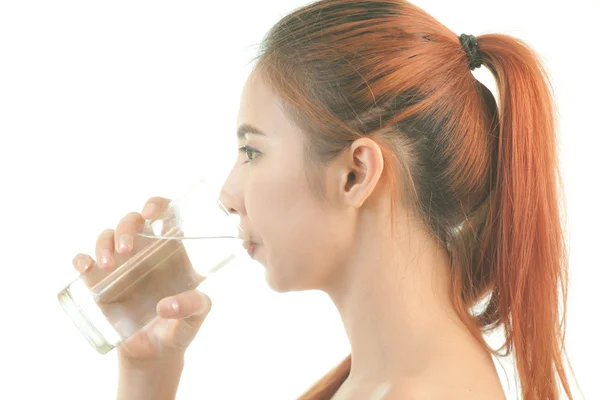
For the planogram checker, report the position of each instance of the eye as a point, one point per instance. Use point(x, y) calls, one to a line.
point(251, 153)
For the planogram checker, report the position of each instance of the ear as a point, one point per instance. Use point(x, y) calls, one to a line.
point(361, 167)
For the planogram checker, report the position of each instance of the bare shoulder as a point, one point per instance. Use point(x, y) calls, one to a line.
point(432, 391)
point(450, 378)
point(403, 389)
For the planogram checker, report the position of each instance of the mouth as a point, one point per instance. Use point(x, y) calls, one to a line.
point(250, 247)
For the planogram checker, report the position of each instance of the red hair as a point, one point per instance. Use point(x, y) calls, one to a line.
point(482, 175)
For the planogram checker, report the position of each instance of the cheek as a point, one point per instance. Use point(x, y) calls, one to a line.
point(274, 187)
point(302, 239)
point(278, 203)
point(306, 256)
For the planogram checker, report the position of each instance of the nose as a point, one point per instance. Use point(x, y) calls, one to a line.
point(231, 195)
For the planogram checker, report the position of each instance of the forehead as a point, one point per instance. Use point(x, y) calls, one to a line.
point(262, 108)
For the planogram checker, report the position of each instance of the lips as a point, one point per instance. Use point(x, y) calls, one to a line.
point(250, 247)
point(252, 250)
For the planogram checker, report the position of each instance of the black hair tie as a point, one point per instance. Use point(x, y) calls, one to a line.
point(470, 45)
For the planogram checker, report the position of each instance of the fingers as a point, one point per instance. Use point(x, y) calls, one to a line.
point(82, 263)
point(126, 231)
point(191, 305)
point(154, 206)
point(105, 249)
point(122, 239)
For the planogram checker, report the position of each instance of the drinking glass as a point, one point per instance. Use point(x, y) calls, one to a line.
point(110, 306)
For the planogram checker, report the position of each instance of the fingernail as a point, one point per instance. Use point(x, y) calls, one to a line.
point(105, 258)
point(149, 210)
point(205, 305)
point(125, 242)
point(170, 308)
point(82, 265)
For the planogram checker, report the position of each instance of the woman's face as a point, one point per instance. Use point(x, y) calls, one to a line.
point(300, 239)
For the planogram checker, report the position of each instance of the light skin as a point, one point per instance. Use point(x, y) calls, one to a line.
point(391, 292)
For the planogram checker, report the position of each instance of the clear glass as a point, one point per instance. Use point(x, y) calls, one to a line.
point(109, 307)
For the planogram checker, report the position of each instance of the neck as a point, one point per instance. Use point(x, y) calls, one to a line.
point(393, 298)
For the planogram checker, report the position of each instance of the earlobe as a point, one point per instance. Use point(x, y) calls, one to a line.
point(362, 171)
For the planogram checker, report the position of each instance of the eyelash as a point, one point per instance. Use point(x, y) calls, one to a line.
point(246, 150)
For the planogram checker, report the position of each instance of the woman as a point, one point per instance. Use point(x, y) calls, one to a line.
point(375, 167)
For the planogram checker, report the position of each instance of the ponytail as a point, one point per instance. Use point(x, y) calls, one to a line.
point(522, 240)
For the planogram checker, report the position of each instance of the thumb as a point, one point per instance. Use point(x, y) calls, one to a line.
point(191, 305)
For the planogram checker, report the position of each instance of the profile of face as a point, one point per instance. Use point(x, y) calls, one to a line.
point(301, 239)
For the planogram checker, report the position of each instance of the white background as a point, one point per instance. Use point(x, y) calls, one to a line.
point(104, 104)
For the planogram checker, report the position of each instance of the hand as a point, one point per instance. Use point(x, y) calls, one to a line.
point(180, 315)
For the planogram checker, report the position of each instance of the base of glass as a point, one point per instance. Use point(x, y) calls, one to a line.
point(76, 302)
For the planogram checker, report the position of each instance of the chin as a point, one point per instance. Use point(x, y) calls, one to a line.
point(284, 276)
point(277, 285)
point(285, 284)
point(277, 281)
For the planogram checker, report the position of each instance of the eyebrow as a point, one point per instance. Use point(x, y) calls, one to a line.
point(247, 128)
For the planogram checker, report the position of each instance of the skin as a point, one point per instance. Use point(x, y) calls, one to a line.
point(392, 292)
